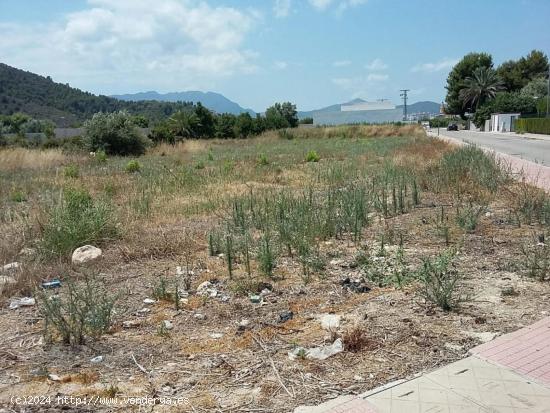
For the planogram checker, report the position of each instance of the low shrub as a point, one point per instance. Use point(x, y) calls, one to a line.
point(262, 160)
point(468, 218)
point(77, 220)
point(132, 166)
point(84, 310)
point(71, 171)
point(533, 125)
point(312, 156)
point(536, 261)
point(440, 280)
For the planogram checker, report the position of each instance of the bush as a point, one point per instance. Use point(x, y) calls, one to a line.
point(101, 157)
point(114, 133)
point(84, 310)
point(132, 166)
point(312, 156)
point(77, 220)
point(71, 171)
point(440, 280)
point(533, 125)
point(262, 159)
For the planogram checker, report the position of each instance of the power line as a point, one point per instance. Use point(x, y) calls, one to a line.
point(405, 97)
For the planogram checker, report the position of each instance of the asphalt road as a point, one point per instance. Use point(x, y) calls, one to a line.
point(530, 147)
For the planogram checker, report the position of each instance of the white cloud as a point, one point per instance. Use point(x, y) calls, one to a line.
point(281, 8)
point(281, 65)
point(129, 42)
point(341, 63)
point(341, 5)
point(373, 77)
point(443, 64)
point(376, 64)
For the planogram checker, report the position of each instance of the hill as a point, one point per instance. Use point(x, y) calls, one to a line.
point(42, 98)
point(213, 101)
point(332, 115)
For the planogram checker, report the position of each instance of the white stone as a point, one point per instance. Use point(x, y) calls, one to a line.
point(167, 324)
point(97, 359)
point(216, 335)
point(330, 322)
point(199, 316)
point(149, 301)
point(54, 377)
point(244, 323)
point(85, 254)
point(205, 289)
point(484, 337)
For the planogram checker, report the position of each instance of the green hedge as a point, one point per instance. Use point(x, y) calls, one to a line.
point(533, 125)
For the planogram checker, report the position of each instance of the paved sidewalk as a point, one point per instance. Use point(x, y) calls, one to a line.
point(510, 374)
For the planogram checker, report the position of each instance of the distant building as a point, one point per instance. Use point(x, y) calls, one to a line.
point(366, 106)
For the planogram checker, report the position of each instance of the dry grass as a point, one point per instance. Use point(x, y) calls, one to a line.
point(13, 159)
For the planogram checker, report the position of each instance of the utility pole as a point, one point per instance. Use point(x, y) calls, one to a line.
point(405, 97)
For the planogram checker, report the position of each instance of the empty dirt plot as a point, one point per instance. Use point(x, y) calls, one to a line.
point(258, 275)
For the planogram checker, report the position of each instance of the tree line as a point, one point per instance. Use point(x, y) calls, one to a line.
point(476, 88)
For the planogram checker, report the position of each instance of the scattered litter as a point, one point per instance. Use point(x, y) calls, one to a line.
point(216, 335)
point(330, 322)
point(206, 289)
point(255, 298)
point(285, 316)
point(22, 302)
point(454, 347)
point(358, 378)
point(143, 311)
point(97, 359)
point(27, 251)
point(225, 298)
point(184, 300)
point(11, 266)
point(54, 377)
point(264, 286)
point(131, 323)
point(4, 279)
point(167, 324)
point(244, 323)
point(86, 254)
point(357, 286)
point(149, 301)
point(265, 292)
point(318, 353)
point(55, 283)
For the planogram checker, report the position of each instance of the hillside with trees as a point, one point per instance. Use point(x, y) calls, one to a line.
point(42, 98)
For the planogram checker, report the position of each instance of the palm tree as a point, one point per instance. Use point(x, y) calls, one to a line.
point(482, 86)
point(184, 124)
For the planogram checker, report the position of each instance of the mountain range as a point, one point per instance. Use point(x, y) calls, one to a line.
point(213, 101)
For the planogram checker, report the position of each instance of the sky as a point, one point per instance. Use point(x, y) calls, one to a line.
point(313, 53)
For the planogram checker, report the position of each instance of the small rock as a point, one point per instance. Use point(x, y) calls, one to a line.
point(484, 337)
point(216, 335)
point(357, 286)
point(54, 377)
point(12, 266)
point(85, 254)
point(199, 316)
point(167, 324)
point(131, 323)
point(27, 252)
point(265, 292)
point(244, 323)
point(22, 302)
point(4, 280)
point(149, 301)
point(184, 301)
point(330, 322)
point(143, 311)
point(285, 316)
point(225, 298)
point(97, 359)
point(454, 347)
point(358, 378)
point(206, 289)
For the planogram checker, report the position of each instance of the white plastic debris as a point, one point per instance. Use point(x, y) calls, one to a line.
point(216, 335)
point(167, 324)
point(22, 302)
point(199, 316)
point(318, 353)
point(206, 289)
point(54, 377)
point(149, 301)
point(330, 322)
point(12, 266)
point(97, 359)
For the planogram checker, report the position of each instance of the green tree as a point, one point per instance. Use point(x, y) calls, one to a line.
point(184, 124)
point(456, 81)
point(114, 133)
point(244, 125)
point(479, 88)
point(516, 74)
point(536, 88)
point(505, 102)
point(281, 115)
point(225, 126)
point(162, 132)
point(206, 124)
point(140, 121)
